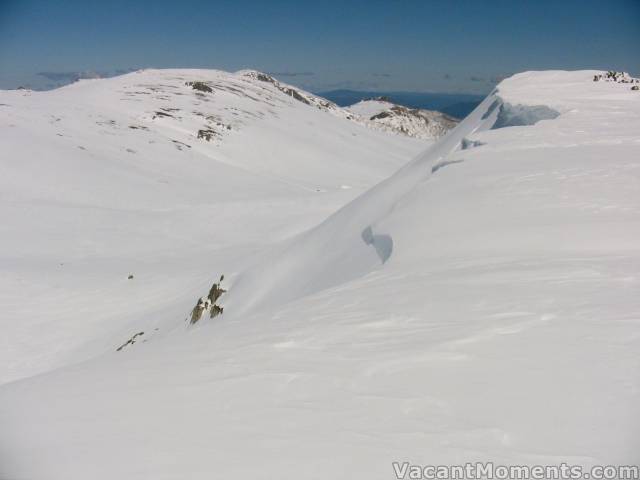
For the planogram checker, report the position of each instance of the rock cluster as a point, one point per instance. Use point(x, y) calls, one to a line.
point(131, 341)
point(200, 86)
point(617, 77)
point(209, 303)
point(413, 122)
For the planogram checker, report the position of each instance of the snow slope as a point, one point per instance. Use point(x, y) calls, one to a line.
point(412, 122)
point(481, 304)
point(106, 178)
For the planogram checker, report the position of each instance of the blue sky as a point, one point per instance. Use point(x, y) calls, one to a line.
point(410, 45)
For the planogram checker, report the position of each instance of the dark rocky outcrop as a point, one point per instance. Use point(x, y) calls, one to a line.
point(209, 304)
point(216, 291)
point(263, 77)
point(198, 310)
point(162, 114)
point(207, 134)
point(380, 116)
point(200, 86)
point(294, 93)
point(131, 341)
point(616, 77)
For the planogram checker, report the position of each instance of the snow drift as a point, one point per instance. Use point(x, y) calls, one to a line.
point(336, 251)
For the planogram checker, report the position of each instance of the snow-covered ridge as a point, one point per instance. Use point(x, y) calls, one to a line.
point(529, 99)
point(298, 94)
point(171, 107)
point(392, 118)
point(413, 122)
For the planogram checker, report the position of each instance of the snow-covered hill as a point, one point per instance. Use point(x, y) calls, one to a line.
point(481, 304)
point(382, 114)
point(169, 175)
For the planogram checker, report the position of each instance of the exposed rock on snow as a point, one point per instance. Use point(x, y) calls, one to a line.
point(617, 77)
point(216, 291)
point(207, 134)
point(200, 86)
point(466, 143)
point(382, 114)
point(160, 114)
point(210, 303)
point(199, 309)
point(296, 93)
point(131, 341)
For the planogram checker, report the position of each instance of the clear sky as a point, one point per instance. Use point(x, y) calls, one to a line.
point(411, 45)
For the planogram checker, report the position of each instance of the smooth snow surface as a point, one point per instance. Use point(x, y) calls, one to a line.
point(369, 108)
point(480, 304)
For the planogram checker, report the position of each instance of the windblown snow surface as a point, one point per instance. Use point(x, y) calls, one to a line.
point(481, 304)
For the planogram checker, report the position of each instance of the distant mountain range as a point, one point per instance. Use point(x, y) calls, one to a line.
point(457, 105)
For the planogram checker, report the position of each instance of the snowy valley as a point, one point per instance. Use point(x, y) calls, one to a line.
point(150, 174)
point(399, 288)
